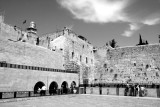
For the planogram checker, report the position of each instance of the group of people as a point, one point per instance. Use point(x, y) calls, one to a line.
point(42, 90)
point(135, 90)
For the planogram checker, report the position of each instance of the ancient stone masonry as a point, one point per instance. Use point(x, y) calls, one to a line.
point(24, 63)
point(139, 64)
point(77, 53)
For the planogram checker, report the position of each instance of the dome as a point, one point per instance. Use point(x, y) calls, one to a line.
point(32, 25)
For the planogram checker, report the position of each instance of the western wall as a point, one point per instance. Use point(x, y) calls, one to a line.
point(136, 64)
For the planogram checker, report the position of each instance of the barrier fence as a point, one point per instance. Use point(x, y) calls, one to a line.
point(120, 90)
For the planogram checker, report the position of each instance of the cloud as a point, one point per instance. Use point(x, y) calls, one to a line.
point(132, 28)
point(152, 21)
point(137, 13)
point(101, 11)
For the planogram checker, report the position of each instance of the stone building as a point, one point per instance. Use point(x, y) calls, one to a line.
point(77, 52)
point(58, 59)
point(27, 66)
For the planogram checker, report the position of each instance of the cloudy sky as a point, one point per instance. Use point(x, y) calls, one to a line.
point(98, 20)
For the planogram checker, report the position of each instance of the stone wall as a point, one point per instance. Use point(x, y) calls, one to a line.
point(81, 53)
point(77, 53)
point(25, 80)
point(8, 32)
point(27, 54)
point(139, 64)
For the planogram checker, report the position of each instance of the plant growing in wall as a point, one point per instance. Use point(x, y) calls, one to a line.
point(112, 43)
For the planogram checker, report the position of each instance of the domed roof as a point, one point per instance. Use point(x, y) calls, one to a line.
point(32, 25)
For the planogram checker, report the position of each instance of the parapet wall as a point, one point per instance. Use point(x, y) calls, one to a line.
point(139, 64)
point(27, 54)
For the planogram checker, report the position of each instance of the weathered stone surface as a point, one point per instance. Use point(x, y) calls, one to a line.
point(139, 64)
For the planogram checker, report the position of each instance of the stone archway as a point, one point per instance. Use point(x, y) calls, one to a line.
point(53, 88)
point(64, 87)
point(37, 86)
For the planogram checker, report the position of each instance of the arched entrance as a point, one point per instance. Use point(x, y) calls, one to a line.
point(37, 86)
point(64, 88)
point(73, 86)
point(53, 88)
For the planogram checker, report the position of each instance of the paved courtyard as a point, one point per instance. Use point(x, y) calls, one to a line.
point(82, 101)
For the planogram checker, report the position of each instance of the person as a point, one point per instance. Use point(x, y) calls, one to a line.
point(43, 90)
point(137, 90)
point(39, 90)
point(132, 90)
point(126, 91)
point(143, 91)
point(71, 89)
point(54, 91)
point(74, 91)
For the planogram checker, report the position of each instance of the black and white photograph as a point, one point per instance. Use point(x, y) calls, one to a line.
point(79, 53)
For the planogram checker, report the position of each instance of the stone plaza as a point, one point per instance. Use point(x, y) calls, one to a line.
point(84, 100)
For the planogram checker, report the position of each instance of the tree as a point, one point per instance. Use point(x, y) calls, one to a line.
point(142, 42)
point(112, 43)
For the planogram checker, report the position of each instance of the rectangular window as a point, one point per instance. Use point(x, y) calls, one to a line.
point(6, 65)
point(23, 66)
point(18, 66)
point(72, 55)
point(80, 58)
point(10, 65)
point(86, 60)
point(32, 67)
